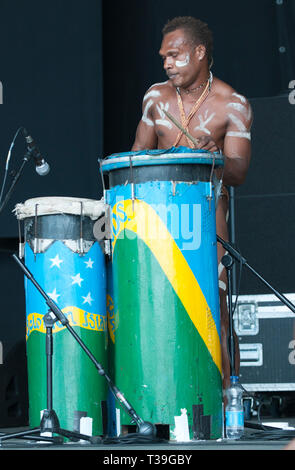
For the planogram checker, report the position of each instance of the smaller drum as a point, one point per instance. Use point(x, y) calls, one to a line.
point(69, 264)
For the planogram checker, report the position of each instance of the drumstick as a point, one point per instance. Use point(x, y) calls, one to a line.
point(185, 132)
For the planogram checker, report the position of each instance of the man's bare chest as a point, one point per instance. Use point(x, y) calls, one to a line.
point(207, 119)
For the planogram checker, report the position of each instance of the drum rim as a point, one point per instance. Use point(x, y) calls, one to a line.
point(113, 163)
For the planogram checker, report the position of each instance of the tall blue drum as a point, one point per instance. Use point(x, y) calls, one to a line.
point(165, 330)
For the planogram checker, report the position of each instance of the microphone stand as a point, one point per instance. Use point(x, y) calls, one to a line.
point(26, 158)
point(49, 420)
point(227, 260)
point(244, 262)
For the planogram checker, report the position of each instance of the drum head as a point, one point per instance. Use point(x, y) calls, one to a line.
point(60, 205)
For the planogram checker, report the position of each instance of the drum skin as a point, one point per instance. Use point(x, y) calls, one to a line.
point(165, 321)
point(77, 283)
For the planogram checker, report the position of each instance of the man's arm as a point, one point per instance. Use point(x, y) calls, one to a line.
point(146, 137)
point(237, 142)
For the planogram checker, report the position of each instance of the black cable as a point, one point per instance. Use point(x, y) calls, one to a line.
point(269, 435)
point(133, 438)
point(239, 283)
point(7, 162)
point(235, 306)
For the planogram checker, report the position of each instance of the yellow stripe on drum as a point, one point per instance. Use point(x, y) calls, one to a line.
point(76, 317)
point(140, 218)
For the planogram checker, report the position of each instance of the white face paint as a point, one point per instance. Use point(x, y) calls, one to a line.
point(145, 118)
point(183, 63)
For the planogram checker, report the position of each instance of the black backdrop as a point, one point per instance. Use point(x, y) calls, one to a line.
point(51, 71)
point(247, 36)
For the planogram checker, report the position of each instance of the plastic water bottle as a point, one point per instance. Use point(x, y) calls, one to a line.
point(234, 411)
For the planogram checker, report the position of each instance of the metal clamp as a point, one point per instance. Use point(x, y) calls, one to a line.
point(132, 183)
point(81, 230)
point(35, 247)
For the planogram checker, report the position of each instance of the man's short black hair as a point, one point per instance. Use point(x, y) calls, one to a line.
point(198, 31)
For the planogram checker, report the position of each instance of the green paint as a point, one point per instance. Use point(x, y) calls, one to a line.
point(160, 362)
point(76, 382)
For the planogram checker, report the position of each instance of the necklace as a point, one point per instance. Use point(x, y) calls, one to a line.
point(186, 119)
point(191, 90)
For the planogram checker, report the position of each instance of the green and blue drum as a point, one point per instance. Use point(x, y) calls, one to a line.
point(165, 317)
point(69, 264)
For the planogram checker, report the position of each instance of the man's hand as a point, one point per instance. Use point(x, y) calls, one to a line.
point(205, 142)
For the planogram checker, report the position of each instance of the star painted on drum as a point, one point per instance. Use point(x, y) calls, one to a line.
point(89, 263)
point(56, 261)
point(88, 299)
point(53, 295)
point(77, 279)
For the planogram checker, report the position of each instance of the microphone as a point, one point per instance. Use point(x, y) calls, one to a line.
point(42, 167)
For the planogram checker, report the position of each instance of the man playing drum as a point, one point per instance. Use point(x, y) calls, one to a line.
point(212, 112)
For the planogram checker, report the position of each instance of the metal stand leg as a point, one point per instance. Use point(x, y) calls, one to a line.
point(49, 421)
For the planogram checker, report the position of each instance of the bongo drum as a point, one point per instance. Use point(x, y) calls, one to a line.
point(165, 345)
point(69, 264)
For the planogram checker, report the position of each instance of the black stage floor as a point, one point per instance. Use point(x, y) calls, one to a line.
point(109, 451)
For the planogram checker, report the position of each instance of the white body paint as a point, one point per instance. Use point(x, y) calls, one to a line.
point(243, 135)
point(163, 121)
point(237, 121)
point(240, 97)
point(152, 94)
point(242, 131)
point(145, 118)
point(241, 109)
point(222, 285)
point(183, 63)
point(204, 120)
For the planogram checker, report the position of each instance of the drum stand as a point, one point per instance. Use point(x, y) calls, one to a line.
point(227, 261)
point(49, 420)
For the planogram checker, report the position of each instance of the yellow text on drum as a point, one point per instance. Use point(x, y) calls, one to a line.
point(181, 217)
point(76, 317)
point(111, 317)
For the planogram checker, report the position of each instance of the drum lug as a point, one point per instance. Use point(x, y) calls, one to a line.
point(108, 231)
point(102, 230)
point(21, 250)
point(107, 247)
point(209, 194)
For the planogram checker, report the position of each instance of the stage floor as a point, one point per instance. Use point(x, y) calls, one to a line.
point(253, 439)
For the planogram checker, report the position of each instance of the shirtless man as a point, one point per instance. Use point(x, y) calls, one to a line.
point(220, 119)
